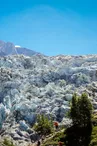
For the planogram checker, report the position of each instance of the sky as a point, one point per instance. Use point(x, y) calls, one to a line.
point(50, 27)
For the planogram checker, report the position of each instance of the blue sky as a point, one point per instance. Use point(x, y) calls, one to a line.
point(51, 27)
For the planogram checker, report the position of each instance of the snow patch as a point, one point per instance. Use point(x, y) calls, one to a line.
point(17, 46)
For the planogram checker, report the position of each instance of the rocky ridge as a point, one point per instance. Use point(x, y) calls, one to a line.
point(42, 85)
point(8, 48)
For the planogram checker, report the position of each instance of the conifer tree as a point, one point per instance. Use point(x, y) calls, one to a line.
point(81, 110)
point(79, 134)
point(74, 110)
point(85, 110)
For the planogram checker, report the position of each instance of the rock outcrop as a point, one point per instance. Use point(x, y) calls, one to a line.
point(10, 49)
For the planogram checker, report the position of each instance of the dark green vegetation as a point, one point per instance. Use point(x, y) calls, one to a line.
point(7, 142)
point(79, 133)
point(83, 131)
point(54, 139)
point(94, 132)
point(44, 125)
point(60, 136)
point(81, 110)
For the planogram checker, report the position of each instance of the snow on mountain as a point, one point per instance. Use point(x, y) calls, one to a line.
point(11, 49)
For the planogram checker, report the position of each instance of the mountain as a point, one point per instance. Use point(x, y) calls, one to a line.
point(42, 85)
point(10, 49)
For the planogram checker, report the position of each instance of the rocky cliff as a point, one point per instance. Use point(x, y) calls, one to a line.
point(10, 49)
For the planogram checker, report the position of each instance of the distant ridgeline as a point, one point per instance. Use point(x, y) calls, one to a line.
point(10, 49)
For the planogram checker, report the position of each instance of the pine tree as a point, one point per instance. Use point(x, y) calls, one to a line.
point(85, 110)
point(74, 110)
point(79, 134)
point(81, 110)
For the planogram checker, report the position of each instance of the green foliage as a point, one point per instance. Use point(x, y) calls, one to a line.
point(94, 119)
point(79, 136)
point(85, 110)
point(50, 143)
point(44, 126)
point(79, 133)
point(94, 137)
point(81, 110)
point(54, 139)
point(7, 142)
point(74, 109)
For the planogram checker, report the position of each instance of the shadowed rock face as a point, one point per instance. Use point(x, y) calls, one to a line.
point(2, 54)
point(10, 49)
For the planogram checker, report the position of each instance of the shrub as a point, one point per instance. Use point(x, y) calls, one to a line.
point(55, 139)
point(94, 119)
point(94, 137)
point(7, 142)
point(43, 126)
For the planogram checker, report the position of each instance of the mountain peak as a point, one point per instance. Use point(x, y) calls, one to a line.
point(8, 48)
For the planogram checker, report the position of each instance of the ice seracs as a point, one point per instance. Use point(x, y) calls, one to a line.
point(44, 85)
